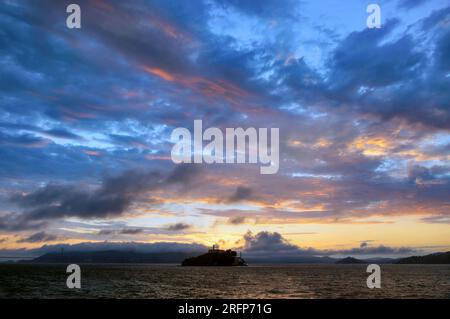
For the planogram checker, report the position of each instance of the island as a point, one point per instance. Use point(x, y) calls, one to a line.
point(216, 257)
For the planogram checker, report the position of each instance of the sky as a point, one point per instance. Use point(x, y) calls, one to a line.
point(86, 117)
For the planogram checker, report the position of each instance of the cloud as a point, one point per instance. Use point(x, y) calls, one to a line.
point(380, 250)
point(178, 227)
point(58, 132)
point(365, 243)
point(183, 174)
point(267, 243)
point(361, 59)
point(437, 219)
point(441, 52)
point(131, 231)
point(437, 19)
point(38, 237)
point(103, 246)
point(61, 133)
point(241, 193)
point(128, 231)
point(410, 4)
point(236, 220)
point(23, 140)
point(112, 198)
point(103, 232)
point(273, 244)
point(16, 222)
point(265, 9)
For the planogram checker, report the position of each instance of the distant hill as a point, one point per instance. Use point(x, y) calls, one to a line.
point(288, 260)
point(437, 258)
point(350, 260)
point(380, 260)
point(113, 256)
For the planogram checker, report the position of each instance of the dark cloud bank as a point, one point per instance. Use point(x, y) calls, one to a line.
point(274, 245)
point(38, 237)
point(112, 198)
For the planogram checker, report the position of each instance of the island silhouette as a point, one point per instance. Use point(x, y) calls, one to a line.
point(216, 257)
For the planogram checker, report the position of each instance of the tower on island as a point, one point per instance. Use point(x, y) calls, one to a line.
point(215, 250)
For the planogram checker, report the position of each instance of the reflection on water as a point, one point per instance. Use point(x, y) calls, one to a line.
point(274, 281)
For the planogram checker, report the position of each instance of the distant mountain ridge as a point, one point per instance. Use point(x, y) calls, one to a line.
point(350, 260)
point(436, 258)
point(113, 256)
point(131, 256)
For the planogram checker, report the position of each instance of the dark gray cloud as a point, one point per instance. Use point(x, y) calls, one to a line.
point(24, 140)
point(61, 133)
point(127, 231)
point(361, 59)
point(13, 222)
point(112, 198)
point(131, 231)
point(241, 193)
point(274, 244)
point(178, 227)
point(53, 132)
point(236, 220)
point(441, 52)
point(127, 140)
point(267, 242)
point(393, 78)
point(38, 237)
point(183, 174)
point(380, 250)
point(104, 232)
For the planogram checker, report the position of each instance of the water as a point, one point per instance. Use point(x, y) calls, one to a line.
point(274, 281)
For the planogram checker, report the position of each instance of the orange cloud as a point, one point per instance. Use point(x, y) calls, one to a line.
point(159, 72)
point(92, 153)
point(207, 88)
point(371, 146)
point(158, 157)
